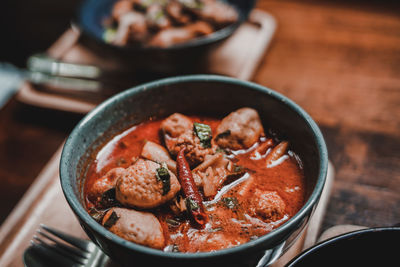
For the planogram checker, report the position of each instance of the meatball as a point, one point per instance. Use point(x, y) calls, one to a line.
point(105, 183)
point(139, 227)
point(176, 124)
point(140, 186)
point(177, 35)
point(178, 134)
point(268, 205)
point(132, 27)
point(217, 12)
point(195, 151)
point(239, 130)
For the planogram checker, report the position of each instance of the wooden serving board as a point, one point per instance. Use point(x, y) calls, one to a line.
point(44, 202)
point(237, 57)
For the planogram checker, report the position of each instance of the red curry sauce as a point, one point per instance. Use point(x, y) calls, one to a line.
point(226, 227)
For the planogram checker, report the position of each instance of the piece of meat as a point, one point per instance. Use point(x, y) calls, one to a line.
point(195, 151)
point(139, 186)
point(217, 13)
point(156, 18)
point(158, 153)
point(177, 35)
point(178, 133)
point(268, 205)
point(131, 27)
point(120, 8)
point(139, 227)
point(175, 11)
point(212, 173)
point(239, 130)
point(176, 124)
point(105, 183)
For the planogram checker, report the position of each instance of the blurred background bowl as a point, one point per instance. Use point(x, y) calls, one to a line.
point(180, 58)
point(194, 94)
point(366, 247)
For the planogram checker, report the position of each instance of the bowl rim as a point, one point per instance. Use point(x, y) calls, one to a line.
point(307, 208)
point(332, 240)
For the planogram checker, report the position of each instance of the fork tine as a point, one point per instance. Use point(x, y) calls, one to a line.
point(82, 244)
point(53, 255)
point(77, 251)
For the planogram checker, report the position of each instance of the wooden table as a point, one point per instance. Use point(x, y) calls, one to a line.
point(338, 59)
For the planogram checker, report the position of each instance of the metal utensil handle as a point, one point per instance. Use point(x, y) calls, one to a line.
point(45, 64)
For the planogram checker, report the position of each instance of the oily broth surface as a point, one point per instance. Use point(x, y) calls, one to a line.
point(226, 227)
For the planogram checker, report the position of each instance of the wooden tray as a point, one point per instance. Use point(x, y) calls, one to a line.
point(237, 57)
point(44, 202)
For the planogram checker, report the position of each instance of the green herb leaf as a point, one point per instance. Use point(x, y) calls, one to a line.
point(175, 248)
point(111, 220)
point(238, 168)
point(97, 215)
point(220, 150)
point(162, 174)
point(230, 202)
point(172, 222)
point(109, 35)
point(191, 204)
point(108, 199)
point(203, 132)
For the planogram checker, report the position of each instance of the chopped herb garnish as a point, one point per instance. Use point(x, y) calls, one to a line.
point(223, 134)
point(109, 35)
point(220, 150)
point(238, 168)
point(191, 204)
point(175, 248)
point(230, 202)
point(203, 132)
point(108, 198)
point(111, 220)
point(97, 215)
point(162, 174)
point(172, 222)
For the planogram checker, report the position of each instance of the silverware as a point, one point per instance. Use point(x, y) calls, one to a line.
point(58, 77)
point(51, 247)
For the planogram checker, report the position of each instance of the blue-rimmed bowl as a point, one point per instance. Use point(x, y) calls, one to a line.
point(182, 58)
point(198, 94)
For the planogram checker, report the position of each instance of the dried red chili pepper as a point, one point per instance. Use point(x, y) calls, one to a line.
point(194, 201)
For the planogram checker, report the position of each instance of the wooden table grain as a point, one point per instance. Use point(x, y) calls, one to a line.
point(339, 60)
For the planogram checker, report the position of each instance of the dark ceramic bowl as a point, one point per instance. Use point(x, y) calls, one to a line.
point(367, 247)
point(201, 94)
point(178, 58)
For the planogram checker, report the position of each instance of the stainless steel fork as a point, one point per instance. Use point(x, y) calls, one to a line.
point(55, 248)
